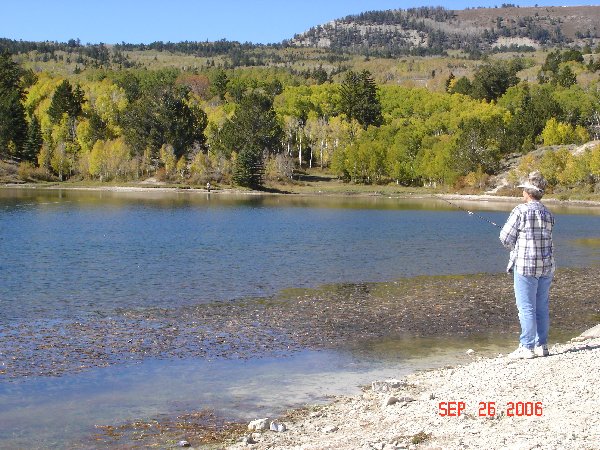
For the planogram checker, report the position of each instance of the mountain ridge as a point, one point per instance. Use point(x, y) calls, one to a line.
point(418, 31)
point(436, 30)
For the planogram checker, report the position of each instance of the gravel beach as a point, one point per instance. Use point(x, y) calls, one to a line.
point(490, 403)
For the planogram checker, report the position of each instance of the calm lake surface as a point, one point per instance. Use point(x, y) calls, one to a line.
point(71, 253)
point(67, 254)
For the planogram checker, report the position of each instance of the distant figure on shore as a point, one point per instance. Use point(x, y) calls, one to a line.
point(528, 235)
point(208, 186)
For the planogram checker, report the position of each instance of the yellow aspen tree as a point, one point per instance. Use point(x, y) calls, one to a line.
point(167, 157)
point(181, 167)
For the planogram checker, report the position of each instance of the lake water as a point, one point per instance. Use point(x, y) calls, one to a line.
point(67, 255)
point(70, 253)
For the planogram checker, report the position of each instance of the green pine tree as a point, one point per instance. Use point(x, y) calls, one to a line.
point(66, 100)
point(252, 132)
point(359, 100)
point(13, 126)
point(249, 168)
point(34, 141)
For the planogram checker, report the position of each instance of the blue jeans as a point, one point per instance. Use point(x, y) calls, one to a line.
point(532, 295)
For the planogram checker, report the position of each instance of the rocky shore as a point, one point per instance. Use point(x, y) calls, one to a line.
point(490, 403)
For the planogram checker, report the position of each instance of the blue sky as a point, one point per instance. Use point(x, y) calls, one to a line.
point(137, 21)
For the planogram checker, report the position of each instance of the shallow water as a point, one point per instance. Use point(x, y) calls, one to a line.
point(63, 412)
point(70, 256)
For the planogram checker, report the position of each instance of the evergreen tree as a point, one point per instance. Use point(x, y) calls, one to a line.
point(492, 80)
point(249, 168)
point(219, 84)
point(163, 117)
point(461, 86)
point(359, 99)
point(66, 100)
point(13, 126)
point(252, 133)
point(34, 141)
point(566, 78)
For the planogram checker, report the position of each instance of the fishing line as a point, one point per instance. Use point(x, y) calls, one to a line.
point(471, 213)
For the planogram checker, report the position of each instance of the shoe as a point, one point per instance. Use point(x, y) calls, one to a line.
point(522, 353)
point(541, 350)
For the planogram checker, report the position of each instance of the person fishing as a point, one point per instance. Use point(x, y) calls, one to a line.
point(528, 235)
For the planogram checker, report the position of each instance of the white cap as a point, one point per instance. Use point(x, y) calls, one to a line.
point(528, 185)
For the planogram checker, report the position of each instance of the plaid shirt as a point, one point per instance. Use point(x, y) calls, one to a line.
point(528, 235)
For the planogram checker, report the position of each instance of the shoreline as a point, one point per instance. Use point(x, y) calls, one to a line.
point(492, 403)
point(464, 198)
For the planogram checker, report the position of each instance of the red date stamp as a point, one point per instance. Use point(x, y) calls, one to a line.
point(490, 409)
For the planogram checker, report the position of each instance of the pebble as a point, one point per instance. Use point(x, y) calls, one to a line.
point(259, 424)
point(575, 373)
point(277, 427)
point(249, 440)
point(387, 385)
point(389, 400)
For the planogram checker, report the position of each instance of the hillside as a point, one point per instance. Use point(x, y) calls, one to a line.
point(434, 31)
point(424, 31)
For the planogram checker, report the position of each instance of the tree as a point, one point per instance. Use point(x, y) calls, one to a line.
point(109, 159)
point(492, 80)
point(13, 126)
point(477, 144)
point(556, 133)
point(566, 78)
point(164, 117)
point(66, 100)
point(167, 157)
point(359, 99)
point(435, 162)
point(576, 170)
point(531, 107)
point(219, 84)
point(249, 169)
point(595, 163)
point(252, 132)
point(460, 86)
point(60, 161)
point(34, 141)
point(553, 163)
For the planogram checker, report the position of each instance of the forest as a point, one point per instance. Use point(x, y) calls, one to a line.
point(248, 127)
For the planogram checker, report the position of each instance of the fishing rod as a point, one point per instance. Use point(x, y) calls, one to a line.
point(471, 213)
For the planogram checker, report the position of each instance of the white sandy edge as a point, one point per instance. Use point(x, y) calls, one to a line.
point(565, 383)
